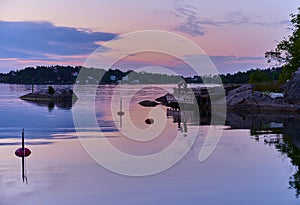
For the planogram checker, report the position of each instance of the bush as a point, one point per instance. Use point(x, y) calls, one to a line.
point(258, 77)
point(51, 90)
point(273, 86)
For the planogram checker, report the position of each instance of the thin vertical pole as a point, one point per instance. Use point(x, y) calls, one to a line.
point(121, 111)
point(120, 104)
point(23, 157)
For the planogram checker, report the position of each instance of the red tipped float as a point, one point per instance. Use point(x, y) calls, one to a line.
point(20, 153)
point(23, 153)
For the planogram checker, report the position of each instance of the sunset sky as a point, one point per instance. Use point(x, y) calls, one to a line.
point(234, 33)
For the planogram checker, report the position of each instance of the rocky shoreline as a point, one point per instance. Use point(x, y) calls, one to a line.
point(244, 98)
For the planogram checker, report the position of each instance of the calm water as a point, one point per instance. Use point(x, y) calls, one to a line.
point(256, 161)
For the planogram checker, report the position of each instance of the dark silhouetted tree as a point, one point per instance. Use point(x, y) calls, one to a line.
point(287, 52)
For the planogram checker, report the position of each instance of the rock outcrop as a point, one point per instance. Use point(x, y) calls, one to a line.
point(292, 89)
point(60, 95)
point(244, 98)
point(240, 95)
point(148, 103)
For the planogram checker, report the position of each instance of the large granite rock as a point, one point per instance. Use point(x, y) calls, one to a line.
point(240, 95)
point(244, 98)
point(292, 89)
point(60, 95)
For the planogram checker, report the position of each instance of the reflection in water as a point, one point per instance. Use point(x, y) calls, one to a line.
point(281, 131)
point(60, 167)
point(120, 113)
point(51, 105)
point(188, 116)
point(288, 147)
point(286, 141)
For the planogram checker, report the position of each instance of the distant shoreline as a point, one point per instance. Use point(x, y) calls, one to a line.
point(68, 75)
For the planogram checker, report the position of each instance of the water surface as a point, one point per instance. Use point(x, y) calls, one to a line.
point(255, 162)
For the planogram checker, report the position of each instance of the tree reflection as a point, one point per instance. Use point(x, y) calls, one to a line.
point(284, 134)
point(281, 131)
point(293, 152)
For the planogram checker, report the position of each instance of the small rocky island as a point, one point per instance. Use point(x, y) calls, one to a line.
point(51, 95)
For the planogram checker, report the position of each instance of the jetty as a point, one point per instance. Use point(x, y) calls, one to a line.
point(187, 98)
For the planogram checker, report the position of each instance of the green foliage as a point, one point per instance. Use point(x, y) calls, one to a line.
point(237, 78)
point(273, 86)
point(286, 73)
point(259, 76)
point(51, 90)
point(265, 82)
point(287, 52)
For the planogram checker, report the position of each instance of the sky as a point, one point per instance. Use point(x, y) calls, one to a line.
point(235, 33)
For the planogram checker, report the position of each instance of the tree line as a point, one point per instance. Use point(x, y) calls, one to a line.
point(68, 75)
